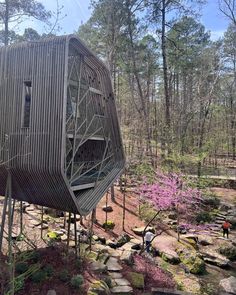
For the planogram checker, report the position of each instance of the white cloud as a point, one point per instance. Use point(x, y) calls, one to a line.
point(215, 35)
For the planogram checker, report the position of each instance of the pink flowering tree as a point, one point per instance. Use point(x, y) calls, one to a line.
point(169, 191)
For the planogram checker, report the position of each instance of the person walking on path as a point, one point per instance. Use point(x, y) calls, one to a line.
point(148, 239)
point(226, 226)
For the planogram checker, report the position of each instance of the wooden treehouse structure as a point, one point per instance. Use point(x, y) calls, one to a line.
point(59, 134)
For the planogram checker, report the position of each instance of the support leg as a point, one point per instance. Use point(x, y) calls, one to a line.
point(3, 216)
point(75, 231)
point(68, 233)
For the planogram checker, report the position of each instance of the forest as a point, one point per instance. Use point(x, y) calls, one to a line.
point(174, 86)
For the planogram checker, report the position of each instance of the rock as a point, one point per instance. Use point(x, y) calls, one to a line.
point(170, 256)
point(102, 240)
point(127, 257)
point(212, 257)
point(122, 282)
point(139, 230)
point(172, 215)
point(181, 229)
point(205, 240)
point(113, 265)
point(123, 239)
point(137, 244)
point(99, 267)
point(115, 275)
point(122, 290)
point(98, 288)
point(229, 285)
point(136, 279)
point(103, 257)
point(51, 292)
point(100, 248)
point(234, 242)
point(112, 244)
point(95, 238)
point(107, 208)
point(64, 237)
point(192, 260)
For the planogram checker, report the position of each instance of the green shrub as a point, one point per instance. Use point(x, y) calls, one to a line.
point(77, 281)
point(35, 256)
point(203, 217)
point(48, 269)
point(64, 275)
point(39, 276)
point(212, 201)
point(21, 267)
point(109, 224)
point(229, 252)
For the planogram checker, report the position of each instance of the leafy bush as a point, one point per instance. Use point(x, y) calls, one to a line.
point(21, 267)
point(39, 276)
point(203, 217)
point(77, 281)
point(229, 252)
point(35, 256)
point(212, 201)
point(109, 224)
point(48, 269)
point(64, 275)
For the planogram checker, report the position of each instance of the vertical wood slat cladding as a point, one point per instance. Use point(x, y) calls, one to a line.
point(37, 153)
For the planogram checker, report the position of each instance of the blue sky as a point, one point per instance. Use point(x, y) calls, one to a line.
point(77, 12)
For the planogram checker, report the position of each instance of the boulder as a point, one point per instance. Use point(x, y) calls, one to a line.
point(192, 260)
point(212, 257)
point(107, 208)
point(229, 285)
point(98, 266)
point(205, 240)
point(139, 230)
point(170, 256)
point(136, 279)
point(123, 239)
point(111, 243)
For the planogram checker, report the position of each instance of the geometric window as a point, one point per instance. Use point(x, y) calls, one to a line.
point(26, 104)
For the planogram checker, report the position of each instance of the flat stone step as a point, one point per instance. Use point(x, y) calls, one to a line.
point(122, 282)
point(113, 265)
point(122, 290)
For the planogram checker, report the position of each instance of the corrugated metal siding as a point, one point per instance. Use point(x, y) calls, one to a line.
point(37, 153)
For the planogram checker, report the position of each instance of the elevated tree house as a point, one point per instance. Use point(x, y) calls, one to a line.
point(59, 134)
